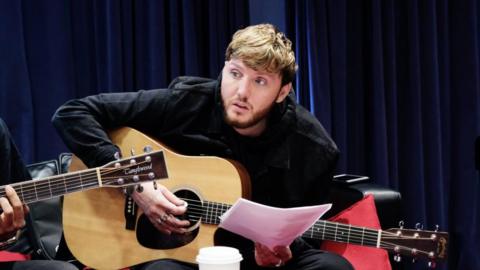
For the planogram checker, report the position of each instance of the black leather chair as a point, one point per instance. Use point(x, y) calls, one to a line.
point(43, 232)
point(387, 201)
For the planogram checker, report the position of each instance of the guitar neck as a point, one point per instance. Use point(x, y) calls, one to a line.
point(212, 211)
point(345, 233)
point(321, 230)
point(54, 186)
point(120, 173)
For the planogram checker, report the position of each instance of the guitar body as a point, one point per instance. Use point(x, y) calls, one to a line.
point(94, 221)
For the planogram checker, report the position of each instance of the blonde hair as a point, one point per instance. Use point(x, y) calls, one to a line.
point(264, 47)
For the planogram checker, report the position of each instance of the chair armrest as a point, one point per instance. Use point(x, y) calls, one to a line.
point(387, 201)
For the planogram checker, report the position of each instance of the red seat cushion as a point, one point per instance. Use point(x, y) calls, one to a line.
point(363, 213)
point(7, 256)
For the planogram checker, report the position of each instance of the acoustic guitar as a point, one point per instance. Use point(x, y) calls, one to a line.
point(95, 225)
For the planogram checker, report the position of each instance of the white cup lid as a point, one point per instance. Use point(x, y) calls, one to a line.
point(218, 255)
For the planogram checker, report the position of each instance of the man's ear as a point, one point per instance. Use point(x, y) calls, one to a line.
point(284, 92)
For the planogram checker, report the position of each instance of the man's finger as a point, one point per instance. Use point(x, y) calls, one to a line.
point(283, 252)
point(175, 205)
point(18, 217)
point(5, 217)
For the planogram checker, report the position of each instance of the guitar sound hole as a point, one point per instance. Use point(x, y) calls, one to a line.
point(148, 236)
point(194, 210)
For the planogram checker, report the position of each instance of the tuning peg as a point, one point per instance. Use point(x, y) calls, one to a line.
point(147, 149)
point(132, 152)
point(120, 181)
point(155, 185)
point(139, 188)
point(419, 226)
point(437, 227)
point(414, 260)
point(432, 264)
point(401, 223)
point(397, 258)
point(128, 190)
point(116, 155)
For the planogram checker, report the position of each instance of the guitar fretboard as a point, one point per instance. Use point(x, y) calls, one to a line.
point(345, 233)
point(212, 212)
point(322, 229)
point(54, 186)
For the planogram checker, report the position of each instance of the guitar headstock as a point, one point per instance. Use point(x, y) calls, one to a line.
point(416, 243)
point(134, 170)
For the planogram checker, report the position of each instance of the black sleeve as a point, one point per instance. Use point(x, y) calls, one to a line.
point(12, 167)
point(83, 123)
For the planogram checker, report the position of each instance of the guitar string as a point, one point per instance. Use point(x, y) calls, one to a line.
point(330, 235)
point(384, 244)
point(369, 241)
point(365, 235)
point(45, 187)
point(224, 207)
point(200, 210)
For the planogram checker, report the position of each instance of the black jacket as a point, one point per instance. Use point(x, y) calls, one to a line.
point(290, 164)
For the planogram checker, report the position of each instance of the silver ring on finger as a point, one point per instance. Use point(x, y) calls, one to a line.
point(280, 263)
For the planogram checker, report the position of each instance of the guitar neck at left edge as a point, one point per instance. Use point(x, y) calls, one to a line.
point(121, 173)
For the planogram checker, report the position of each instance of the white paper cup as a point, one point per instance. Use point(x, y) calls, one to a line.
point(219, 258)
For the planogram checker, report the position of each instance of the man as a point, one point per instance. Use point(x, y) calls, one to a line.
point(249, 114)
point(13, 211)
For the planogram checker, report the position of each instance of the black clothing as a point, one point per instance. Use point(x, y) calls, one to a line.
point(290, 164)
point(298, 155)
point(312, 259)
point(12, 169)
point(37, 265)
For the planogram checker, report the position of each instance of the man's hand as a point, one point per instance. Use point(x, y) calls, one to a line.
point(272, 258)
point(12, 218)
point(161, 206)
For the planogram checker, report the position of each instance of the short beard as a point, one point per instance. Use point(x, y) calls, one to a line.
point(256, 118)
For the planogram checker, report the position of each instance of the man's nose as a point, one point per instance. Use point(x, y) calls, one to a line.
point(243, 88)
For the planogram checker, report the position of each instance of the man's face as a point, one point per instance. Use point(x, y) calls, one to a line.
point(248, 96)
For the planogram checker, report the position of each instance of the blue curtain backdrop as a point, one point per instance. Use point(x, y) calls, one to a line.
point(396, 83)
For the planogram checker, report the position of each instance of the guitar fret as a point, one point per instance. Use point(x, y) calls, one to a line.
point(323, 234)
point(209, 217)
point(64, 184)
point(349, 231)
point(81, 181)
point(21, 193)
point(50, 187)
point(215, 209)
point(363, 235)
point(205, 211)
point(335, 235)
point(213, 212)
point(35, 188)
point(208, 208)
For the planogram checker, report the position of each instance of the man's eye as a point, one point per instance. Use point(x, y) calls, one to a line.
point(261, 81)
point(235, 73)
